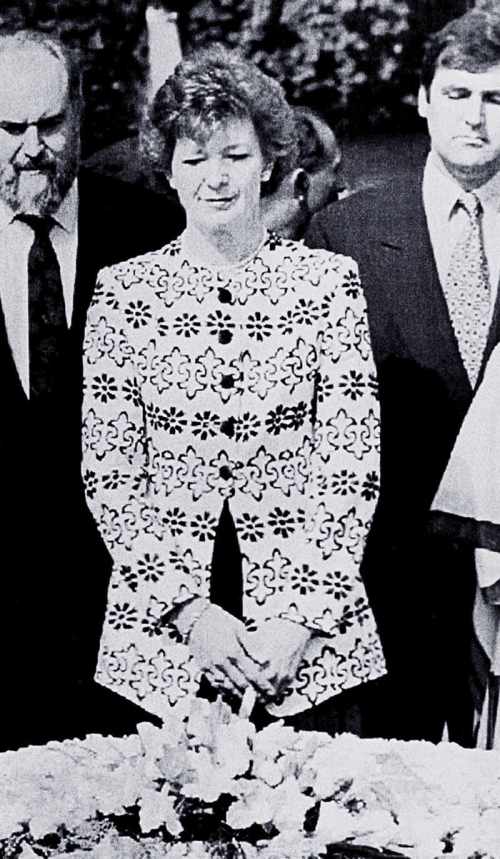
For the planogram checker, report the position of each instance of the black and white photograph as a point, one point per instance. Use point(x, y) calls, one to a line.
point(250, 429)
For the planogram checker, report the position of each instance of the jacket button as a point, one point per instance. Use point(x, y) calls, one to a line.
point(227, 427)
point(227, 381)
point(225, 296)
point(225, 336)
point(225, 472)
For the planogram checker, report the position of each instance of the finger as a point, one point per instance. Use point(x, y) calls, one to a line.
point(278, 678)
point(234, 680)
point(225, 684)
point(216, 678)
point(224, 678)
point(231, 670)
point(282, 684)
point(262, 663)
point(247, 703)
point(254, 676)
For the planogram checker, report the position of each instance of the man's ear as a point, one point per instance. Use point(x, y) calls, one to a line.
point(300, 185)
point(168, 177)
point(266, 172)
point(423, 102)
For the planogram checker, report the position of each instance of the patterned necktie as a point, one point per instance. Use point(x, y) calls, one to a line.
point(47, 318)
point(467, 289)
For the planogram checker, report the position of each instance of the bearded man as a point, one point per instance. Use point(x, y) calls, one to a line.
point(58, 227)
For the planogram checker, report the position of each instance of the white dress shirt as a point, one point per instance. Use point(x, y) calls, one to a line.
point(446, 222)
point(16, 239)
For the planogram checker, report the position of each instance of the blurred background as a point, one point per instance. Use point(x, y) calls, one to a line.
point(354, 62)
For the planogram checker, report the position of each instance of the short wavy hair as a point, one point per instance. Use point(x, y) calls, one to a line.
point(470, 43)
point(207, 88)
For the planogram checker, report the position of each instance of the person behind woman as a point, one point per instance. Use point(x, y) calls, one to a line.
point(467, 508)
point(312, 182)
point(231, 428)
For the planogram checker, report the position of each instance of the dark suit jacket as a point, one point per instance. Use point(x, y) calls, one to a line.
point(54, 567)
point(421, 588)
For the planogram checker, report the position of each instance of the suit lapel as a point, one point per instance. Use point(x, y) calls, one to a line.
point(13, 393)
point(87, 260)
point(493, 334)
point(413, 287)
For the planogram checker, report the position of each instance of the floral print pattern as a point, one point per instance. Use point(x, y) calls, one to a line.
point(204, 384)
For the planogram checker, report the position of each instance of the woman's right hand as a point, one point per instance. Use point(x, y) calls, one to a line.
point(218, 643)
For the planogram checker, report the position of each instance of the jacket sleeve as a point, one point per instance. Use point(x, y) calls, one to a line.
point(122, 494)
point(344, 469)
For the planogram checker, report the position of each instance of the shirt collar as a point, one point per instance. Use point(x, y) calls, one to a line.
point(65, 217)
point(442, 191)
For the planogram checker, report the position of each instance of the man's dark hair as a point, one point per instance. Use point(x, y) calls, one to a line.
point(471, 43)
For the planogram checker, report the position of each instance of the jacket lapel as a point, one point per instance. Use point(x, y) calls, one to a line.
point(88, 256)
point(414, 292)
point(493, 334)
point(13, 393)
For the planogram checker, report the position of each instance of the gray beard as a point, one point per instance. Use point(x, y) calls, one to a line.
point(47, 200)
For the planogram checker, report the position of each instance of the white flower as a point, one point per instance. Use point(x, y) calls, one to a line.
point(208, 780)
point(157, 808)
point(28, 853)
point(254, 805)
point(284, 806)
point(376, 828)
point(335, 823)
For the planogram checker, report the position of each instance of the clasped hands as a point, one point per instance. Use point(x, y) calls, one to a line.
point(235, 659)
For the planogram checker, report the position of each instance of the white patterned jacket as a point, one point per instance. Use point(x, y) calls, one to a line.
point(253, 382)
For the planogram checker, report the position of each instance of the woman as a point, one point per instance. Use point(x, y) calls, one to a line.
point(467, 507)
point(231, 426)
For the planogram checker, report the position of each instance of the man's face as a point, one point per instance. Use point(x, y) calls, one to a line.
point(39, 131)
point(462, 111)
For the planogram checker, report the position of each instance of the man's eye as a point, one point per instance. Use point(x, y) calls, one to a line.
point(193, 161)
point(457, 93)
point(493, 97)
point(14, 128)
point(46, 126)
point(238, 156)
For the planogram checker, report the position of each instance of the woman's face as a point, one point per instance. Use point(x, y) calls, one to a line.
point(219, 181)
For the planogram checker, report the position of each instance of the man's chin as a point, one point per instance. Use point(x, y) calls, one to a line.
point(37, 194)
point(464, 166)
point(34, 192)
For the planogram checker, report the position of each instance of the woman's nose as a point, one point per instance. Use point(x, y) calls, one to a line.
point(217, 174)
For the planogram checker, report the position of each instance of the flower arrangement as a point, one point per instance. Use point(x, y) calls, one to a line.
point(207, 784)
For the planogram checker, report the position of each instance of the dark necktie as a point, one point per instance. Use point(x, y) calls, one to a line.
point(47, 318)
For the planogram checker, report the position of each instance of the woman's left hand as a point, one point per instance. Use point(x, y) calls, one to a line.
point(282, 643)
